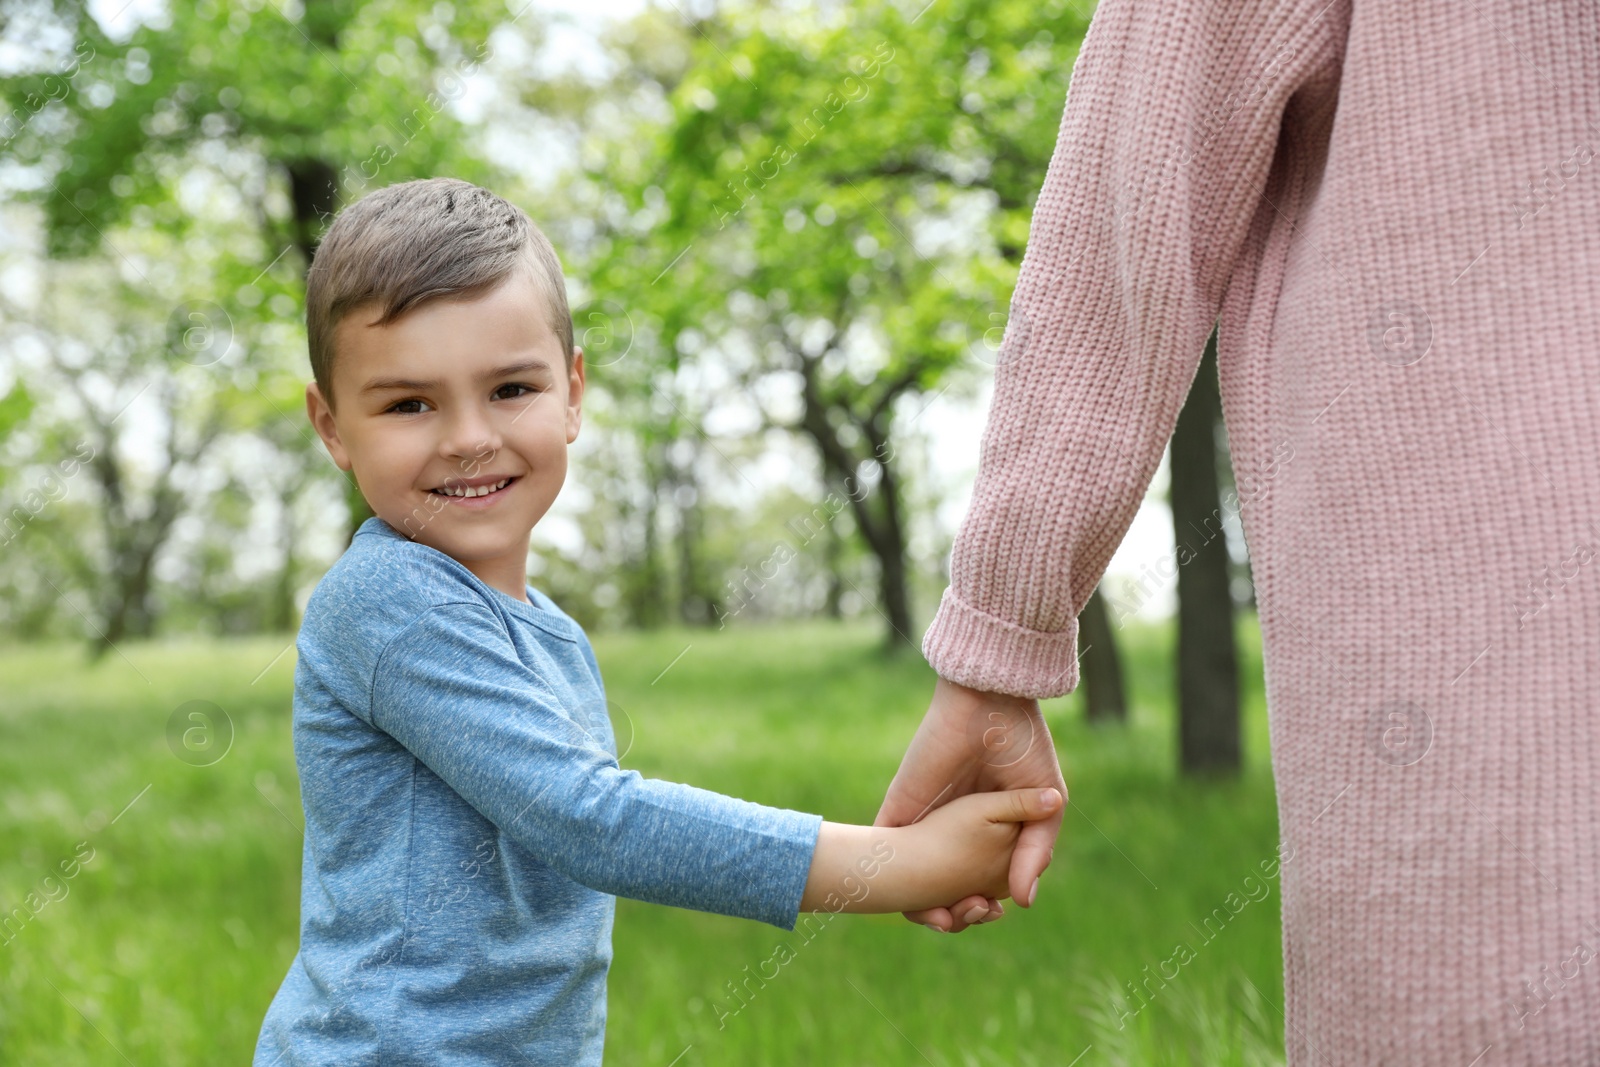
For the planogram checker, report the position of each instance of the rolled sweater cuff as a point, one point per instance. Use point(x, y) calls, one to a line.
point(982, 651)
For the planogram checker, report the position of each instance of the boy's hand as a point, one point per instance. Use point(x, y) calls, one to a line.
point(966, 846)
point(961, 848)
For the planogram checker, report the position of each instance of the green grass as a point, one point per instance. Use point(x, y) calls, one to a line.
point(170, 942)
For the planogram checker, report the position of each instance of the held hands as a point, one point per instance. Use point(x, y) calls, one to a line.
point(971, 816)
point(966, 847)
point(971, 742)
point(963, 848)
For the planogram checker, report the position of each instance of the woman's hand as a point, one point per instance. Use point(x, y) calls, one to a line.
point(972, 742)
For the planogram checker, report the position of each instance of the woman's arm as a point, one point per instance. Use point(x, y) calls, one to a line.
point(1169, 135)
point(1162, 176)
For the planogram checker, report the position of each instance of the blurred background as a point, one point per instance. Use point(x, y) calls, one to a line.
point(790, 231)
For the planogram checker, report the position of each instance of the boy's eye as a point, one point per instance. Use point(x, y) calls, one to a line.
point(521, 390)
point(407, 407)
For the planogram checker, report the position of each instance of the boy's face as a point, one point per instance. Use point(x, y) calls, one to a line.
point(453, 396)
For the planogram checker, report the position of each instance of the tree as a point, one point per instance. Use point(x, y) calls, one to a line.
point(1104, 698)
point(839, 224)
point(1208, 664)
point(101, 352)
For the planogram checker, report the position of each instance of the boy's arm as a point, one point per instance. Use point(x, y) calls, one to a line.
point(452, 689)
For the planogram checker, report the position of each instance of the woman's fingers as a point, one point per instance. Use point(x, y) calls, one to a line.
point(973, 911)
point(938, 919)
point(1035, 847)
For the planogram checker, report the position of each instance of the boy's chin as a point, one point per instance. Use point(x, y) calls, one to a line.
point(469, 541)
point(469, 546)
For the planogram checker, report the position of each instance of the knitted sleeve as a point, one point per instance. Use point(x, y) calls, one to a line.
point(1169, 133)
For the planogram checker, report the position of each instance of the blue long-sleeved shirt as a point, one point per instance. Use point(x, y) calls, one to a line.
point(467, 826)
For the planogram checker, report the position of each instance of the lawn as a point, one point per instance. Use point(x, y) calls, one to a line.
point(168, 939)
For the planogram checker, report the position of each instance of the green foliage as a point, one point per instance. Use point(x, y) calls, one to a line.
point(172, 940)
point(15, 407)
point(827, 224)
point(868, 165)
point(833, 190)
point(361, 88)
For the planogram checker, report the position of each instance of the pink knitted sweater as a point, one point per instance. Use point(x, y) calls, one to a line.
point(1394, 208)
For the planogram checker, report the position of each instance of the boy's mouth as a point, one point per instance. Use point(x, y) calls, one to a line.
point(464, 490)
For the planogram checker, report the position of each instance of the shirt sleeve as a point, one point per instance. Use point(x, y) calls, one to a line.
point(1166, 142)
point(452, 689)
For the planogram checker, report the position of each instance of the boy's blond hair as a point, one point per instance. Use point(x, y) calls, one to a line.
point(430, 239)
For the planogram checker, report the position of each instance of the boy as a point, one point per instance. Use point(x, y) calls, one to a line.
point(467, 824)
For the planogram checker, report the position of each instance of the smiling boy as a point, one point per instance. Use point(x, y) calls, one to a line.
point(467, 824)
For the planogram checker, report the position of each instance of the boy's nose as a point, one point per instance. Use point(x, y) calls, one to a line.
point(471, 437)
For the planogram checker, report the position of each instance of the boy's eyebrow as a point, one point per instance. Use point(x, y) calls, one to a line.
point(530, 366)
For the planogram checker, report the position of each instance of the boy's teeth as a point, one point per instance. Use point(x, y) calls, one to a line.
point(482, 490)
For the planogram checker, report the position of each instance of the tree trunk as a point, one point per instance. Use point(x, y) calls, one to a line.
point(282, 615)
point(833, 559)
point(314, 197)
point(887, 539)
point(696, 605)
point(132, 544)
point(647, 604)
point(1099, 664)
point(895, 595)
point(314, 192)
point(875, 509)
point(1207, 667)
point(129, 615)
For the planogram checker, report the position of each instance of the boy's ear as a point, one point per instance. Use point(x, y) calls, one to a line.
point(321, 416)
point(575, 396)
